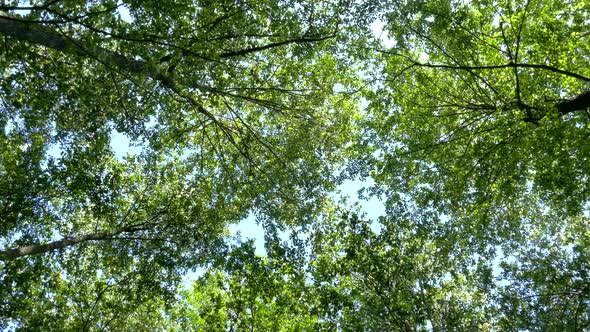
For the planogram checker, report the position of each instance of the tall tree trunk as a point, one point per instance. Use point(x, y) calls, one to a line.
point(38, 34)
point(51, 246)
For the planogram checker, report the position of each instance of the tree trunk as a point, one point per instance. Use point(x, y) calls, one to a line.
point(47, 247)
point(579, 103)
point(38, 34)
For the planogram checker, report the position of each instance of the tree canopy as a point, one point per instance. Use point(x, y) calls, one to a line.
point(468, 119)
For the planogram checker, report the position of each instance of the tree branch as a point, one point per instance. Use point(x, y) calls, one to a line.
point(579, 103)
point(508, 65)
point(35, 249)
point(32, 32)
point(55, 245)
point(40, 35)
point(415, 63)
point(273, 45)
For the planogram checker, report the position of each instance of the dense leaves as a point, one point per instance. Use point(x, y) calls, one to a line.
point(485, 104)
point(231, 105)
point(249, 293)
point(470, 119)
point(480, 126)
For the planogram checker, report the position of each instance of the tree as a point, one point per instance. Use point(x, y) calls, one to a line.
point(396, 279)
point(479, 128)
point(234, 108)
point(486, 106)
point(474, 132)
point(476, 136)
point(546, 282)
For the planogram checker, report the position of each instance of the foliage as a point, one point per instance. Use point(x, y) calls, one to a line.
point(548, 287)
point(471, 119)
point(249, 293)
point(395, 279)
point(486, 104)
point(232, 105)
point(479, 129)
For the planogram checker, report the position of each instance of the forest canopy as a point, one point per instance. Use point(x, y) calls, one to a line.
point(468, 120)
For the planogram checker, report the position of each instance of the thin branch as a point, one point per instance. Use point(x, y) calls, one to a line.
point(518, 37)
point(519, 34)
point(255, 135)
point(510, 57)
point(274, 45)
point(490, 67)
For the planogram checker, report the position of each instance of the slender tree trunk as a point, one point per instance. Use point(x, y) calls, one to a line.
point(55, 245)
point(38, 34)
